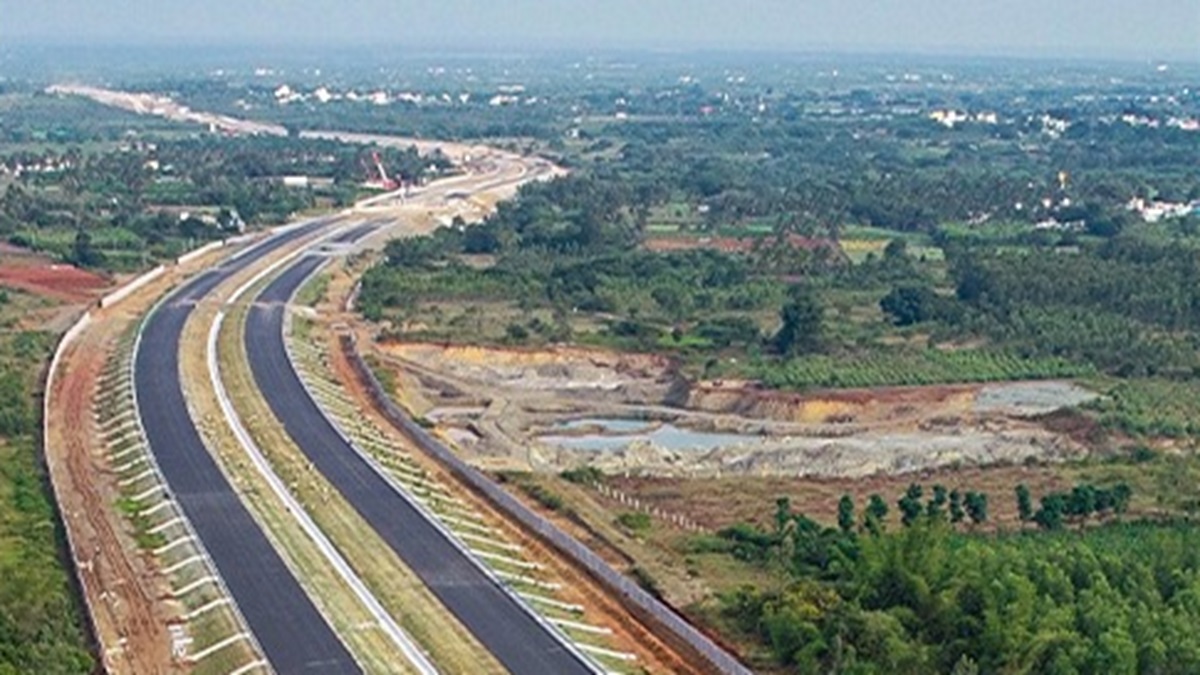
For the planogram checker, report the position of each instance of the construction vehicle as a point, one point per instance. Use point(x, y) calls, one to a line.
point(380, 180)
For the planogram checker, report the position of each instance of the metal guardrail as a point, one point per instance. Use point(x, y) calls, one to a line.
point(647, 608)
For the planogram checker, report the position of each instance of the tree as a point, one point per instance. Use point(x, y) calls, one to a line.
point(83, 253)
point(935, 509)
point(1050, 515)
point(1081, 503)
point(515, 333)
point(1024, 503)
point(910, 504)
point(783, 514)
point(977, 507)
point(803, 325)
point(846, 514)
point(896, 249)
point(965, 666)
point(907, 305)
point(1121, 494)
point(875, 514)
point(956, 509)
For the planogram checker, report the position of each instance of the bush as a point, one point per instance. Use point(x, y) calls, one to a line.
point(634, 521)
point(1143, 454)
point(584, 475)
point(515, 333)
point(646, 581)
point(544, 496)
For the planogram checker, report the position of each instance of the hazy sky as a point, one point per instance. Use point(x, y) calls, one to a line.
point(1129, 28)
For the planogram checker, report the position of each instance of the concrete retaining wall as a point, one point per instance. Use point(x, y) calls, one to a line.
point(242, 239)
point(192, 255)
point(129, 288)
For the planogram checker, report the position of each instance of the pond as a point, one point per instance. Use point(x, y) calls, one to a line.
point(622, 432)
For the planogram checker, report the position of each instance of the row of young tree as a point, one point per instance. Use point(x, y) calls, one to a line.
point(795, 532)
point(1080, 503)
point(860, 598)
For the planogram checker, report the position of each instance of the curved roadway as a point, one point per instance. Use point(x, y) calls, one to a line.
point(507, 630)
point(292, 633)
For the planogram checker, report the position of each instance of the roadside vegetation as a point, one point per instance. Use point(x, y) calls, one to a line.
point(41, 625)
point(808, 253)
point(859, 252)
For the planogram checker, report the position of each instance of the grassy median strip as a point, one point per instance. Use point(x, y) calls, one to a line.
point(400, 592)
point(352, 622)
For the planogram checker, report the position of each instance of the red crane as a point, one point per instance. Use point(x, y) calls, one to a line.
point(385, 181)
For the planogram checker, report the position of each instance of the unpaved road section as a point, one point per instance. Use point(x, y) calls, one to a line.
point(127, 597)
point(121, 589)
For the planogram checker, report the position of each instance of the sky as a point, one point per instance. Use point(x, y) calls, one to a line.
point(1081, 28)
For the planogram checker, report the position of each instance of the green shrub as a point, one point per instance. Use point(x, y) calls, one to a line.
point(635, 521)
point(584, 475)
point(544, 496)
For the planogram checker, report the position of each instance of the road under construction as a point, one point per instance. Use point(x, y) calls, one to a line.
point(277, 609)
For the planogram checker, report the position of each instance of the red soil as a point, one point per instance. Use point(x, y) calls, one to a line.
point(59, 281)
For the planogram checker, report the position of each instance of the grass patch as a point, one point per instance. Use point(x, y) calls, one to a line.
point(1151, 408)
point(314, 291)
point(924, 367)
point(635, 521)
point(41, 625)
point(396, 588)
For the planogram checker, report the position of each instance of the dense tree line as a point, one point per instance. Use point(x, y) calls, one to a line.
point(1129, 306)
point(925, 598)
point(645, 297)
point(771, 151)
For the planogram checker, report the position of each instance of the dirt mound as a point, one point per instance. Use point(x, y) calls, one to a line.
point(40, 276)
point(888, 405)
point(555, 368)
point(850, 406)
point(860, 455)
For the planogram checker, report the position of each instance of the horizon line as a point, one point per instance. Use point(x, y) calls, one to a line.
point(418, 47)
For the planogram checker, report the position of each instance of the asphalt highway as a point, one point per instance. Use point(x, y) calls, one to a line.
point(294, 635)
point(356, 233)
point(505, 629)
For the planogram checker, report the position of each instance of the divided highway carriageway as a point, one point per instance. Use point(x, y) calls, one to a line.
point(523, 644)
point(293, 634)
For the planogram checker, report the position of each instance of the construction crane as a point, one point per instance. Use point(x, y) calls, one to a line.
point(383, 181)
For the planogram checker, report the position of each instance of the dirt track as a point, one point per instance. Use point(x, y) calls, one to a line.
point(130, 620)
point(129, 600)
